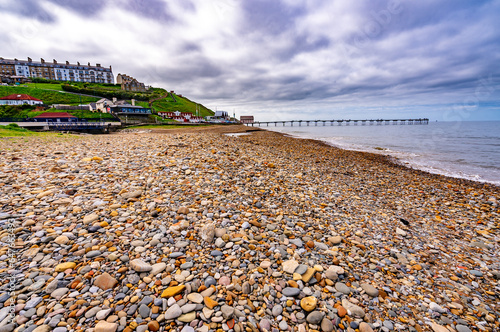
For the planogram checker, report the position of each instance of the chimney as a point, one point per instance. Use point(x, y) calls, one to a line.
point(42, 60)
point(114, 100)
point(98, 64)
point(133, 102)
point(89, 64)
point(78, 63)
point(29, 59)
point(55, 61)
point(67, 62)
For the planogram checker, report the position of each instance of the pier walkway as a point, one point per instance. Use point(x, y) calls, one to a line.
point(420, 121)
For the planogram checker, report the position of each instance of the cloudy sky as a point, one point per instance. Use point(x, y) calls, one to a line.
point(281, 59)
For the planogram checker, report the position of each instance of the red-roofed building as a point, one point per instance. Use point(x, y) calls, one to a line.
point(20, 99)
point(55, 117)
point(180, 116)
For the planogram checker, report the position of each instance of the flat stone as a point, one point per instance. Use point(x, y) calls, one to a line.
point(343, 288)
point(172, 291)
point(105, 281)
point(65, 266)
point(290, 291)
point(336, 269)
point(132, 194)
point(289, 266)
point(209, 302)
point(90, 218)
point(462, 328)
point(139, 265)
point(436, 307)
point(195, 297)
point(227, 311)
point(277, 310)
point(187, 317)
point(327, 325)
point(355, 310)
point(103, 326)
point(58, 293)
point(365, 327)
point(315, 317)
point(370, 290)
point(335, 239)
point(173, 312)
point(306, 277)
point(439, 328)
point(158, 268)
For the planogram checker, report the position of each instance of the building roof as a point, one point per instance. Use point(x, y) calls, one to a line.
point(19, 97)
point(63, 115)
point(246, 117)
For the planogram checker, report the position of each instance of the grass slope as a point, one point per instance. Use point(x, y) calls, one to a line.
point(12, 130)
point(47, 96)
point(182, 105)
point(52, 93)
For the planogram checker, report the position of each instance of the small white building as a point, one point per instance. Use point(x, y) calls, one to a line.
point(20, 99)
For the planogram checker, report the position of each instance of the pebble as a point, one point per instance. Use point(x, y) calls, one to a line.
point(218, 233)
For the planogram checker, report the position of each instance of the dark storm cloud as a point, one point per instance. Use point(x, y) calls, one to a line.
point(85, 8)
point(28, 9)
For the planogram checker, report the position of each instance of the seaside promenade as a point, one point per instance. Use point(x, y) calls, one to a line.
point(194, 230)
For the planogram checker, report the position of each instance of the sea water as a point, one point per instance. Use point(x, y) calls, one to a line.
point(466, 149)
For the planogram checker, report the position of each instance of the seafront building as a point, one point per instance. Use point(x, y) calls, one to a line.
point(20, 99)
point(12, 68)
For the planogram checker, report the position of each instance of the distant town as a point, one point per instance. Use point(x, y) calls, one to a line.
point(42, 88)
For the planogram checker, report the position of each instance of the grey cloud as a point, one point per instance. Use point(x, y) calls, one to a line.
point(84, 8)
point(29, 9)
point(270, 17)
point(149, 9)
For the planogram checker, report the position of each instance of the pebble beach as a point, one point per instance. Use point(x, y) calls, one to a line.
point(195, 230)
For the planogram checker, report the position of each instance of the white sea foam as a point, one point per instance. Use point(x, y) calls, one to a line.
point(468, 150)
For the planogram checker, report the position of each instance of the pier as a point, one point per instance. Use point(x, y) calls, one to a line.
point(379, 122)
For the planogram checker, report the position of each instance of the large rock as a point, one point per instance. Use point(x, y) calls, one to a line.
point(308, 303)
point(132, 194)
point(139, 265)
point(103, 326)
point(183, 210)
point(315, 317)
point(174, 290)
point(370, 290)
point(90, 218)
point(364, 327)
point(173, 312)
point(43, 328)
point(158, 268)
point(355, 310)
point(208, 232)
point(289, 266)
point(105, 281)
point(64, 266)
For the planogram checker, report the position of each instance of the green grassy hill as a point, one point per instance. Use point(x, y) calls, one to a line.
point(181, 104)
point(53, 92)
point(47, 96)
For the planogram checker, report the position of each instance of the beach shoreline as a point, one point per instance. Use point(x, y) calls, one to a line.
point(197, 230)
